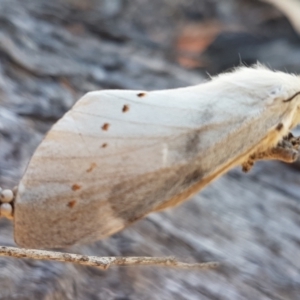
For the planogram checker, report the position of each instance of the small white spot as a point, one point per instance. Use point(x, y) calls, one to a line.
point(165, 153)
point(6, 196)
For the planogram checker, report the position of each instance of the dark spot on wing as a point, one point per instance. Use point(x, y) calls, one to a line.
point(192, 178)
point(141, 95)
point(206, 116)
point(76, 187)
point(104, 145)
point(72, 203)
point(192, 144)
point(131, 200)
point(105, 126)
point(279, 127)
point(125, 108)
point(92, 167)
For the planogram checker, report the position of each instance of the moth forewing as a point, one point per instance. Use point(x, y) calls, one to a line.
point(118, 155)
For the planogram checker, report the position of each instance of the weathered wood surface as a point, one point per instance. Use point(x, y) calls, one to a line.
point(51, 52)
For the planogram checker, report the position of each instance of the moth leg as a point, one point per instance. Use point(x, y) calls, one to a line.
point(287, 155)
point(286, 150)
point(247, 166)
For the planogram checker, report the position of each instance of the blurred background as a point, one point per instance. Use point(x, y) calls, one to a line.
point(52, 52)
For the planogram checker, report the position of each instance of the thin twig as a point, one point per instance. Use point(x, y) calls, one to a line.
point(102, 262)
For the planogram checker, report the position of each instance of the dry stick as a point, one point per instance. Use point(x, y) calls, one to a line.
point(102, 262)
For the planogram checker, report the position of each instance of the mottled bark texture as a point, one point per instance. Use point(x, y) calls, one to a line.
point(52, 52)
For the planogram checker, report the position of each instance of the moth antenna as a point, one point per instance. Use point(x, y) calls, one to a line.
point(291, 98)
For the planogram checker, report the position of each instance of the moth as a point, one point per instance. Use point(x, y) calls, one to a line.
point(119, 155)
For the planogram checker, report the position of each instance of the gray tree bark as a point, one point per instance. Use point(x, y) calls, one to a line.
point(51, 53)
